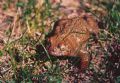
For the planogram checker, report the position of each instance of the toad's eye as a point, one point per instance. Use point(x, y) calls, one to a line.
point(59, 45)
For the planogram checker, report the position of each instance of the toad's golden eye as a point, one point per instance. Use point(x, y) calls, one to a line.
point(70, 37)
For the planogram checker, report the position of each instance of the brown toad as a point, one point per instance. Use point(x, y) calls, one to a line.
point(69, 37)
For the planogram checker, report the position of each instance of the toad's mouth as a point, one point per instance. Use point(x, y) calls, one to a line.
point(59, 51)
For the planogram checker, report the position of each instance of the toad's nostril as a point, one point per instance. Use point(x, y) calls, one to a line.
point(47, 43)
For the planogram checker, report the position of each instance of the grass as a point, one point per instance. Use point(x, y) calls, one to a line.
point(110, 34)
point(28, 58)
point(32, 18)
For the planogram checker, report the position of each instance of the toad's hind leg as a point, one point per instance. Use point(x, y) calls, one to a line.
point(85, 59)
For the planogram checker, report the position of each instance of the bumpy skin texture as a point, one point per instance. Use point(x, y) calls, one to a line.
point(69, 38)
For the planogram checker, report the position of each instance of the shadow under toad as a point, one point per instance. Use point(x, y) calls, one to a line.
point(43, 55)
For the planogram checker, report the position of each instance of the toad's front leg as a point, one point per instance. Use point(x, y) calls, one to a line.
point(85, 59)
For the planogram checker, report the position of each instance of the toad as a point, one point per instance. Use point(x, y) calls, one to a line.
point(69, 38)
